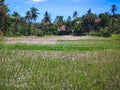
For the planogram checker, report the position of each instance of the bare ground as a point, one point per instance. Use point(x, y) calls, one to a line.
point(42, 40)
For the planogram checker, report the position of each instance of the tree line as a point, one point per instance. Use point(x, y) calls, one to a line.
point(105, 24)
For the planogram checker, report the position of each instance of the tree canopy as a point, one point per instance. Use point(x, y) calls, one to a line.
point(103, 24)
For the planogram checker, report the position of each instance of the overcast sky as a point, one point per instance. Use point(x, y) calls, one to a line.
point(61, 7)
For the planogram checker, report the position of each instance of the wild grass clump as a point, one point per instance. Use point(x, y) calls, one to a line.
point(1, 37)
point(59, 70)
point(116, 37)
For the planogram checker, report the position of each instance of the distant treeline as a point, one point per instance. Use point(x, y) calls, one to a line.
point(104, 24)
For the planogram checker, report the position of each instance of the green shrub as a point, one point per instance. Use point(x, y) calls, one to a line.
point(116, 36)
point(1, 34)
point(116, 30)
point(95, 34)
point(39, 32)
point(105, 32)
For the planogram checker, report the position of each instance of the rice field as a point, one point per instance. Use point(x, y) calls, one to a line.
point(51, 70)
point(23, 68)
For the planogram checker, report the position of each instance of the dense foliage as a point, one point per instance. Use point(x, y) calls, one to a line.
point(104, 24)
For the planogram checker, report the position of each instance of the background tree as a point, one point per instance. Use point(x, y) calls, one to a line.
point(88, 21)
point(4, 17)
point(28, 16)
point(113, 18)
point(113, 9)
point(77, 26)
point(46, 18)
point(105, 20)
point(28, 19)
point(15, 25)
point(46, 22)
point(16, 18)
point(34, 13)
point(75, 14)
point(69, 23)
point(59, 20)
point(34, 16)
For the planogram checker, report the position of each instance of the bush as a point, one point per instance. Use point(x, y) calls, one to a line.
point(38, 32)
point(116, 30)
point(95, 34)
point(1, 34)
point(115, 36)
point(105, 32)
point(10, 33)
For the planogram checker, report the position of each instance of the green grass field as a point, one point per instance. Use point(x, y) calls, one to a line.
point(69, 65)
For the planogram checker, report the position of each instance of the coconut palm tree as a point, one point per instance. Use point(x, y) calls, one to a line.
point(28, 16)
point(88, 20)
point(34, 13)
point(56, 19)
point(46, 18)
point(1, 2)
point(69, 19)
point(89, 11)
point(113, 9)
point(75, 14)
point(16, 16)
point(3, 16)
point(59, 20)
point(69, 22)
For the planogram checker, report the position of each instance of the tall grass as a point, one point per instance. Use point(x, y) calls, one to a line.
point(59, 70)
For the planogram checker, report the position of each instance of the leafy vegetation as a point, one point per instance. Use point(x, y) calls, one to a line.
point(104, 24)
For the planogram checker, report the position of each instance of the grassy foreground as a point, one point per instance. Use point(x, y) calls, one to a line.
point(58, 70)
point(70, 65)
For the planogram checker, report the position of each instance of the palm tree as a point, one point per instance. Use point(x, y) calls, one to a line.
point(69, 26)
point(75, 14)
point(46, 18)
point(56, 19)
point(1, 2)
point(59, 20)
point(28, 16)
point(113, 9)
point(89, 11)
point(16, 16)
point(3, 16)
point(69, 19)
point(88, 20)
point(34, 13)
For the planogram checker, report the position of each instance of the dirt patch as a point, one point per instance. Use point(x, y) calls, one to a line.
point(42, 40)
